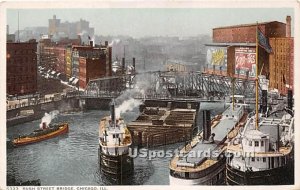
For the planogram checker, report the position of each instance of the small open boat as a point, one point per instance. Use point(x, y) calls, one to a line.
point(42, 134)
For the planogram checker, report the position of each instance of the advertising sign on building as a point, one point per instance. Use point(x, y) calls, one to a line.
point(216, 58)
point(245, 63)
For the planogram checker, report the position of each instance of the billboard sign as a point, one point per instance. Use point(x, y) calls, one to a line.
point(245, 61)
point(216, 58)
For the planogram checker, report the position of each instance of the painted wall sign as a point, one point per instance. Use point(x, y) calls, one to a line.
point(245, 61)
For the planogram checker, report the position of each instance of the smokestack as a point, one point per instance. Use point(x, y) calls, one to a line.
point(112, 113)
point(290, 99)
point(264, 101)
point(106, 43)
point(133, 63)
point(123, 64)
point(206, 125)
point(91, 43)
point(288, 26)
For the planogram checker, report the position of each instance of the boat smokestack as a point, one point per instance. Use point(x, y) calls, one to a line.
point(113, 113)
point(133, 64)
point(290, 99)
point(206, 125)
point(123, 64)
point(264, 101)
point(44, 125)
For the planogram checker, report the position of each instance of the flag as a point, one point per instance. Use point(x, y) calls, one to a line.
point(263, 41)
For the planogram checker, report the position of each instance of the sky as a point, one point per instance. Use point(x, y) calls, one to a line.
point(149, 21)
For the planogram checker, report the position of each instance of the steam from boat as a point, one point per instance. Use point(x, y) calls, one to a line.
point(48, 117)
point(127, 105)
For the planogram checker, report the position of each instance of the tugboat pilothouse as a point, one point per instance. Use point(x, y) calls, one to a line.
point(114, 144)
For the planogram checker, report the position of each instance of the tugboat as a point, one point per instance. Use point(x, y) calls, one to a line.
point(192, 166)
point(46, 132)
point(114, 144)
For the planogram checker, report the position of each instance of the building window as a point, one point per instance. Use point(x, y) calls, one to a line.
point(264, 159)
point(250, 143)
point(253, 159)
point(256, 143)
point(262, 143)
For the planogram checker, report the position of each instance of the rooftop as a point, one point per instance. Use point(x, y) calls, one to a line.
point(231, 44)
point(247, 25)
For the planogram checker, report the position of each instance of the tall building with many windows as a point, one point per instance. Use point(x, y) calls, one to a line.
point(69, 29)
point(21, 60)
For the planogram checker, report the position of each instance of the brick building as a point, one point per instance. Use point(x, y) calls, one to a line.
point(282, 61)
point(78, 61)
point(246, 33)
point(48, 57)
point(21, 63)
point(57, 56)
point(233, 49)
point(94, 62)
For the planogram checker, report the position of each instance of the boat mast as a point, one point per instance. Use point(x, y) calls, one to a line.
point(256, 80)
point(232, 83)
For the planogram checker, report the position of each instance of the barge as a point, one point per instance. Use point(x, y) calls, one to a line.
point(158, 126)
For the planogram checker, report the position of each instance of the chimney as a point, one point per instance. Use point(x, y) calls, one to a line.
point(106, 43)
point(91, 43)
point(123, 65)
point(133, 63)
point(288, 26)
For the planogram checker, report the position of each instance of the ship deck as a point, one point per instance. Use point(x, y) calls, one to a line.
point(111, 142)
point(195, 159)
point(282, 151)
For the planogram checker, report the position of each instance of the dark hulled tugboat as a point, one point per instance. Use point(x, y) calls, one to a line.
point(114, 144)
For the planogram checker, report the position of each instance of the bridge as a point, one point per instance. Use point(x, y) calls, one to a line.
point(166, 85)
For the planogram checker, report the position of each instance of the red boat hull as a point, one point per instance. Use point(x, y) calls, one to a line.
point(64, 128)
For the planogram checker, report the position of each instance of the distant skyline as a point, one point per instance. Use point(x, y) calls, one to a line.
point(150, 21)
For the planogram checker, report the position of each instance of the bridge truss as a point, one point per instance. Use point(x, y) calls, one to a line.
point(160, 85)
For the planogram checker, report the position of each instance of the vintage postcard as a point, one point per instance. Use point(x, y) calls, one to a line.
point(165, 94)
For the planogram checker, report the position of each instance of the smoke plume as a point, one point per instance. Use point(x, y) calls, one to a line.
point(48, 117)
point(127, 105)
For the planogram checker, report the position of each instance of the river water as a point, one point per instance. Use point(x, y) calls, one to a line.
point(72, 159)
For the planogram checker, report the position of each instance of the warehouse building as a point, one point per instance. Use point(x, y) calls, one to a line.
point(21, 61)
point(233, 50)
